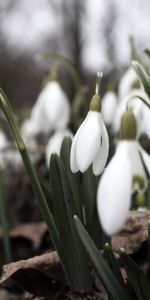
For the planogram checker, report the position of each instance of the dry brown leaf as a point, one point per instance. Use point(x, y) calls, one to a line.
point(34, 232)
point(134, 232)
point(36, 274)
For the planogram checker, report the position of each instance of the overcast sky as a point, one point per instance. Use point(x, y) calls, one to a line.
point(27, 25)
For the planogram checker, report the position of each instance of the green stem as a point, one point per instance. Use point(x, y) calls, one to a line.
point(142, 74)
point(98, 82)
point(47, 215)
point(64, 62)
point(140, 98)
point(4, 225)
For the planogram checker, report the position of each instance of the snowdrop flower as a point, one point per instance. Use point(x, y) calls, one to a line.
point(124, 174)
point(90, 145)
point(128, 82)
point(53, 106)
point(29, 131)
point(140, 110)
point(50, 112)
point(55, 142)
point(13, 159)
point(8, 157)
point(109, 102)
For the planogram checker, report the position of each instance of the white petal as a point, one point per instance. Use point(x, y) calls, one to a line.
point(135, 159)
point(102, 155)
point(13, 159)
point(29, 130)
point(64, 116)
point(114, 192)
point(3, 140)
point(73, 162)
point(109, 104)
point(144, 122)
point(57, 107)
point(54, 144)
point(52, 108)
point(88, 141)
point(126, 82)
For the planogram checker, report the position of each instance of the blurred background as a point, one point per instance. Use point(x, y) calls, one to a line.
point(93, 34)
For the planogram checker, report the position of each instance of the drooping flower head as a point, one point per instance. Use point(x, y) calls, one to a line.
point(90, 145)
point(50, 112)
point(109, 105)
point(128, 82)
point(124, 174)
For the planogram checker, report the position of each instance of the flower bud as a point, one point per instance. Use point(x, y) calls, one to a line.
point(128, 128)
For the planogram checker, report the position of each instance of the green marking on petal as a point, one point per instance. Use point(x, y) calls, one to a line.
point(101, 141)
point(139, 182)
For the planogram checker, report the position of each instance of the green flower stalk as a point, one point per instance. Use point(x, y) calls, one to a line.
point(60, 224)
point(142, 75)
point(6, 108)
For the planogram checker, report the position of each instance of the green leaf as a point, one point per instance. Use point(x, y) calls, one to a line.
point(89, 183)
point(111, 284)
point(46, 213)
point(111, 260)
point(75, 261)
point(136, 276)
point(74, 179)
point(147, 52)
point(89, 187)
point(141, 72)
point(148, 195)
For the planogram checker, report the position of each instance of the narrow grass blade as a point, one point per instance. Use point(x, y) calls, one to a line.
point(89, 187)
point(64, 62)
point(113, 264)
point(141, 72)
point(75, 259)
point(74, 179)
point(110, 282)
point(4, 224)
point(46, 213)
point(136, 277)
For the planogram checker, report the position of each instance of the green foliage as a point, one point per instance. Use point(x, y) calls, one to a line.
point(110, 282)
point(75, 261)
point(137, 284)
point(144, 77)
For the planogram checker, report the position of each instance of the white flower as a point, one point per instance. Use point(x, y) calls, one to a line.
point(52, 107)
point(29, 131)
point(127, 82)
point(117, 184)
point(140, 110)
point(3, 140)
point(109, 102)
point(90, 145)
point(12, 159)
point(8, 157)
point(50, 112)
point(55, 142)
